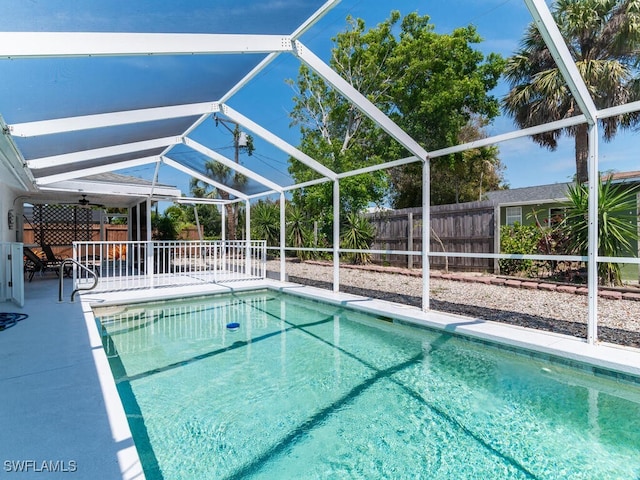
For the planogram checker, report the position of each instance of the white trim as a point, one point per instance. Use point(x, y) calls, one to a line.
point(509, 218)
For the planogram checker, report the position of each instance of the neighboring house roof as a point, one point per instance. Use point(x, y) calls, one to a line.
point(551, 193)
point(623, 176)
point(540, 193)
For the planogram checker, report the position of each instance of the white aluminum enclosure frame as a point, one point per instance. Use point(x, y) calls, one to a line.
point(72, 44)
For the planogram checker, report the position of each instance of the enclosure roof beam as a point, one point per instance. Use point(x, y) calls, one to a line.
point(619, 110)
point(321, 12)
point(81, 156)
point(189, 171)
point(525, 132)
point(127, 117)
point(381, 166)
point(277, 142)
point(310, 183)
point(560, 52)
point(92, 44)
point(109, 167)
point(212, 154)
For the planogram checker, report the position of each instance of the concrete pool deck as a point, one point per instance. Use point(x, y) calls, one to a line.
point(60, 408)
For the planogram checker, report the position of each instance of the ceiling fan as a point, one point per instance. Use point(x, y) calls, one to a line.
point(84, 202)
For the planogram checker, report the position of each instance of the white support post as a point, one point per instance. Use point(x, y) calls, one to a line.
point(336, 236)
point(247, 237)
point(223, 225)
point(592, 253)
point(150, 253)
point(223, 237)
point(426, 233)
point(283, 238)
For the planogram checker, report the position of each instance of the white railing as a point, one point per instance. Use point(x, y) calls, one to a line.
point(130, 265)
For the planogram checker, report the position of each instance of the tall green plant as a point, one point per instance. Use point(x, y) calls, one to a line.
point(265, 222)
point(298, 232)
point(357, 234)
point(617, 224)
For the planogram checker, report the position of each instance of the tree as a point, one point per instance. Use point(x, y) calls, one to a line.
point(430, 84)
point(163, 227)
point(603, 38)
point(462, 177)
point(224, 175)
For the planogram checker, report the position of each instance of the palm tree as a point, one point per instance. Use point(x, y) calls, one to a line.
point(224, 175)
point(603, 37)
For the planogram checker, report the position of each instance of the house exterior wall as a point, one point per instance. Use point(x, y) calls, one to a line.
point(7, 197)
point(630, 272)
point(528, 217)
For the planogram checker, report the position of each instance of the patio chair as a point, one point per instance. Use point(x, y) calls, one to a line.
point(54, 260)
point(34, 263)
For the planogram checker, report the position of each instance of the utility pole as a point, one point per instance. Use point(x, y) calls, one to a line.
point(240, 141)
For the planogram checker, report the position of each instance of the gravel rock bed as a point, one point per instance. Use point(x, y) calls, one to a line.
point(619, 320)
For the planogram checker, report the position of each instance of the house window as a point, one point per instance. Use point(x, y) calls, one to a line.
point(556, 215)
point(514, 215)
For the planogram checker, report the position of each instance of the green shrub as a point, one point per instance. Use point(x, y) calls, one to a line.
point(523, 239)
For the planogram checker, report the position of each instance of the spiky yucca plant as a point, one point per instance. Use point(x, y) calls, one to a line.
point(617, 224)
point(357, 234)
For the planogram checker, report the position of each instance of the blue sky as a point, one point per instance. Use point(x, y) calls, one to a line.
point(267, 100)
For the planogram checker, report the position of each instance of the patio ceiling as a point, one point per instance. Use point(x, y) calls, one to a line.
point(86, 92)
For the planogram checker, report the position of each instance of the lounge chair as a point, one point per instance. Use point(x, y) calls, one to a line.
point(52, 258)
point(34, 263)
point(55, 261)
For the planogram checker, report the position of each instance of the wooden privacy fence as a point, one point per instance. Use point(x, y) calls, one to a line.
point(458, 228)
point(63, 248)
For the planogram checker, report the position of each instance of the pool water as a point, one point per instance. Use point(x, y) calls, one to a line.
point(309, 390)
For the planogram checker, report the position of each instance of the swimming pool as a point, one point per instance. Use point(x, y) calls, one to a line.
point(305, 389)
